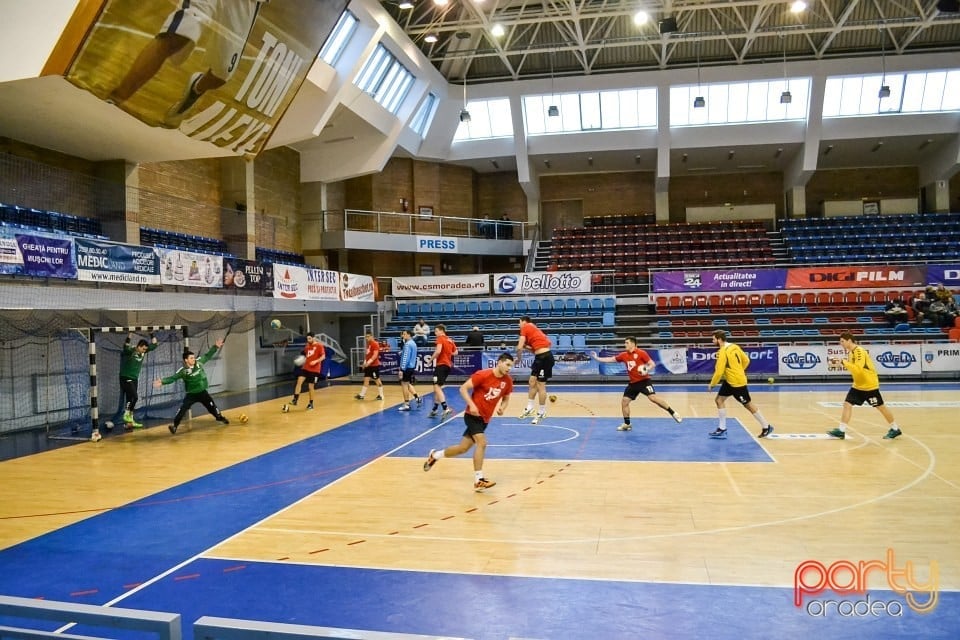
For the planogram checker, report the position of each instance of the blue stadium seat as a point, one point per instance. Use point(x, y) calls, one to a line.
point(484, 307)
point(413, 308)
point(565, 341)
point(609, 304)
point(392, 343)
point(596, 305)
point(579, 341)
point(460, 308)
point(449, 309)
point(510, 307)
point(608, 319)
point(473, 307)
point(496, 308)
point(522, 307)
point(403, 309)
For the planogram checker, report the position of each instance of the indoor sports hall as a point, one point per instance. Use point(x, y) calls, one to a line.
point(327, 518)
point(204, 203)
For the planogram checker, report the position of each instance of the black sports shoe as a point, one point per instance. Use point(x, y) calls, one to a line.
point(223, 419)
point(294, 401)
point(767, 430)
point(719, 433)
point(173, 428)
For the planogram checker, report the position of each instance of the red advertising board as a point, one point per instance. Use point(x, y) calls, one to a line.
point(858, 277)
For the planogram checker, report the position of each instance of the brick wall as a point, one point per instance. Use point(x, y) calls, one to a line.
point(500, 193)
point(854, 184)
point(277, 197)
point(603, 193)
point(721, 190)
point(181, 196)
point(955, 193)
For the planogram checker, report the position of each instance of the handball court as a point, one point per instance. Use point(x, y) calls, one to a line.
point(327, 518)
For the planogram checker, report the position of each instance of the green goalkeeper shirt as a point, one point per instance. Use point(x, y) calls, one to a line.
point(194, 378)
point(131, 360)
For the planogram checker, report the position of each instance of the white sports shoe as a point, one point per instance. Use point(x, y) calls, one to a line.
point(526, 413)
point(625, 427)
point(537, 418)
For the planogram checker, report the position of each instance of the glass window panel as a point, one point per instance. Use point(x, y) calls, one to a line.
point(757, 102)
point(373, 70)
point(869, 98)
point(392, 103)
point(679, 106)
point(647, 108)
point(610, 109)
point(716, 103)
point(737, 102)
point(536, 114)
point(850, 97)
point(800, 90)
point(501, 121)
point(933, 91)
point(831, 97)
point(393, 72)
point(913, 92)
point(776, 110)
point(698, 116)
point(893, 104)
point(590, 110)
point(424, 116)
point(569, 119)
point(951, 92)
point(479, 120)
point(337, 41)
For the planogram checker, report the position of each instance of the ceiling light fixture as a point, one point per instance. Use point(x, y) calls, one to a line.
point(406, 4)
point(786, 97)
point(699, 102)
point(430, 37)
point(799, 6)
point(884, 87)
point(640, 18)
point(497, 30)
point(441, 3)
point(464, 114)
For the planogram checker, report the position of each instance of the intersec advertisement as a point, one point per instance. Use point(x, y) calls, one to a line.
point(293, 282)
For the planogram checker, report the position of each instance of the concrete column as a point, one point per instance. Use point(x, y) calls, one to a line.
point(119, 209)
point(663, 206)
point(796, 201)
point(937, 197)
point(240, 353)
point(313, 202)
point(236, 200)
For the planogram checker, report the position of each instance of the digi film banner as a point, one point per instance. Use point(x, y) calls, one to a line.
point(222, 72)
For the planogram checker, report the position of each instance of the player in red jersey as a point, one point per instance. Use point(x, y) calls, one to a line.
point(310, 369)
point(442, 364)
point(531, 337)
point(639, 367)
point(487, 391)
point(371, 368)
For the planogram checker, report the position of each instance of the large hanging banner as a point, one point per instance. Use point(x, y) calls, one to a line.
point(99, 261)
point(247, 275)
point(728, 281)
point(541, 282)
point(294, 282)
point(190, 269)
point(945, 274)
point(221, 71)
point(355, 288)
point(762, 360)
point(860, 277)
point(440, 286)
point(47, 256)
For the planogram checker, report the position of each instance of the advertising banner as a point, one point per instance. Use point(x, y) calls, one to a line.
point(541, 282)
point(356, 288)
point(860, 277)
point(247, 275)
point(47, 257)
point(439, 286)
point(465, 363)
point(945, 274)
point(294, 282)
point(714, 280)
point(190, 269)
point(99, 261)
point(227, 77)
point(940, 357)
point(669, 361)
point(11, 260)
point(804, 360)
point(762, 360)
point(897, 359)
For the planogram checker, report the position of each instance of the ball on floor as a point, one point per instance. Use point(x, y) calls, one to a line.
point(285, 408)
point(243, 418)
point(553, 398)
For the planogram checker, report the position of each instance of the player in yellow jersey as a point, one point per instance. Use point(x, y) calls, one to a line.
point(865, 389)
point(731, 373)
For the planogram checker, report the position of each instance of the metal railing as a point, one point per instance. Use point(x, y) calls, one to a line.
point(425, 224)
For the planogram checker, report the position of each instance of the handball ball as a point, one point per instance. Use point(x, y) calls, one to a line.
point(108, 425)
point(770, 380)
point(275, 323)
point(553, 398)
point(299, 360)
point(243, 418)
point(285, 408)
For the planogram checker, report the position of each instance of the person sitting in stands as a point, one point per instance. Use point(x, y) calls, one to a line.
point(474, 339)
point(920, 305)
point(421, 333)
point(895, 312)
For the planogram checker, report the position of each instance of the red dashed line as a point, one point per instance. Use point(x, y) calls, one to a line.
point(448, 517)
point(425, 524)
point(471, 510)
point(283, 558)
point(236, 568)
point(84, 593)
point(350, 544)
point(512, 495)
point(393, 533)
point(527, 488)
point(133, 585)
point(494, 502)
point(189, 576)
point(539, 481)
point(320, 550)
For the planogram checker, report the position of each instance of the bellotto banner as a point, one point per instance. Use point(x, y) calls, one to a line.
point(860, 277)
point(221, 72)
